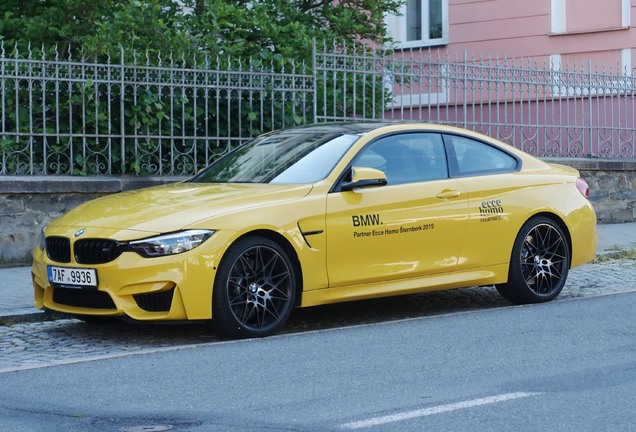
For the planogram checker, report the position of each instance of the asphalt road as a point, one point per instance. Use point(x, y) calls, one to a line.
point(563, 366)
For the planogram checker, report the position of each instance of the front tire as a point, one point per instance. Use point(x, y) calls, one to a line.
point(539, 263)
point(254, 289)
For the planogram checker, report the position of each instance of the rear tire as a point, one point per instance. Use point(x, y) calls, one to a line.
point(539, 263)
point(254, 289)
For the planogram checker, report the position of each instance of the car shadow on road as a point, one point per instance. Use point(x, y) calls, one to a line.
point(134, 336)
point(394, 308)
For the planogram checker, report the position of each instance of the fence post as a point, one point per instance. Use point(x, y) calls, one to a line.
point(589, 106)
point(122, 117)
point(465, 102)
point(314, 75)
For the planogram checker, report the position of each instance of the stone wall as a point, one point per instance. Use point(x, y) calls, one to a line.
point(612, 186)
point(29, 203)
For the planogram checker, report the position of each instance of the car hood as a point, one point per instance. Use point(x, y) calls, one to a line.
point(172, 207)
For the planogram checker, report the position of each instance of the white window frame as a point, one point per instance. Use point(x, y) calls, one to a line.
point(558, 20)
point(397, 27)
point(557, 16)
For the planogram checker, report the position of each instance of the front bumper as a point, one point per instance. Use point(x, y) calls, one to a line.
point(176, 287)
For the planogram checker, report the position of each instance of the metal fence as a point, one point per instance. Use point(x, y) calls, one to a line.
point(145, 116)
point(541, 107)
point(173, 116)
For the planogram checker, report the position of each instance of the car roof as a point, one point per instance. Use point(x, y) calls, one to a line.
point(360, 127)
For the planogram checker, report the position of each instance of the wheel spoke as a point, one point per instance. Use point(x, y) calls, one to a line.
point(258, 319)
point(554, 248)
point(249, 311)
point(236, 286)
point(239, 299)
point(270, 307)
point(277, 294)
point(246, 265)
point(279, 278)
point(269, 267)
point(530, 243)
point(543, 284)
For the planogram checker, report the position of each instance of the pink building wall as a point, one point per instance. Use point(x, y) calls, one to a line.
point(571, 31)
point(519, 70)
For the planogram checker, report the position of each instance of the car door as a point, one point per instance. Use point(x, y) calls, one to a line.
point(411, 227)
point(495, 195)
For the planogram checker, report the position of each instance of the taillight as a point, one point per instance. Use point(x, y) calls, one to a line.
point(583, 187)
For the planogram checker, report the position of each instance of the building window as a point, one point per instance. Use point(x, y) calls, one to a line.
point(569, 16)
point(421, 23)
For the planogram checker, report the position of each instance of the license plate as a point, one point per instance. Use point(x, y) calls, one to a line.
point(74, 277)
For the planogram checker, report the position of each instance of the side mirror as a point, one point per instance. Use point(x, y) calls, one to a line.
point(362, 177)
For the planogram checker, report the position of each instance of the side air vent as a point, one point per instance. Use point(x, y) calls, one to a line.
point(155, 302)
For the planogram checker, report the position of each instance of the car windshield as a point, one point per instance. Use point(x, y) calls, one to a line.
point(294, 156)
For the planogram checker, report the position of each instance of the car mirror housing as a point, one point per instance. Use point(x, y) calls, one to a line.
point(362, 177)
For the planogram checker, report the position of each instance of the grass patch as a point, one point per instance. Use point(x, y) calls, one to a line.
point(626, 254)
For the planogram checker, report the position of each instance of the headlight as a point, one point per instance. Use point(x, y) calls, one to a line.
point(169, 244)
point(42, 238)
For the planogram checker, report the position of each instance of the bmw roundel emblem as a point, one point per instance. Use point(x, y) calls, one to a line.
point(80, 232)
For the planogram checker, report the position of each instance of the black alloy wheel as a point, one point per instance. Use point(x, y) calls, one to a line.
point(254, 290)
point(539, 263)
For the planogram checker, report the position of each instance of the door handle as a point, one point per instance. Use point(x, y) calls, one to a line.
point(448, 193)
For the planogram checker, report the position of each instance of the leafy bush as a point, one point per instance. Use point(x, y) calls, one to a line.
point(162, 116)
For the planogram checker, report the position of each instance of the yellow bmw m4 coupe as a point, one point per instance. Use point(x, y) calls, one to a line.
point(321, 214)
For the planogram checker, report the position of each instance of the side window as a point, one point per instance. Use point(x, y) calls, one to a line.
point(406, 158)
point(477, 158)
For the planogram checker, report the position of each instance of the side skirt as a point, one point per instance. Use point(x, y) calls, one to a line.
point(463, 279)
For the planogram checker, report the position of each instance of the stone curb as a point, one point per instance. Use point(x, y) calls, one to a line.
point(22, 316)
point(28, 315)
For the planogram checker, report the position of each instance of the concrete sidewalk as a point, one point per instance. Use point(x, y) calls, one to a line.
point(16, 292)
